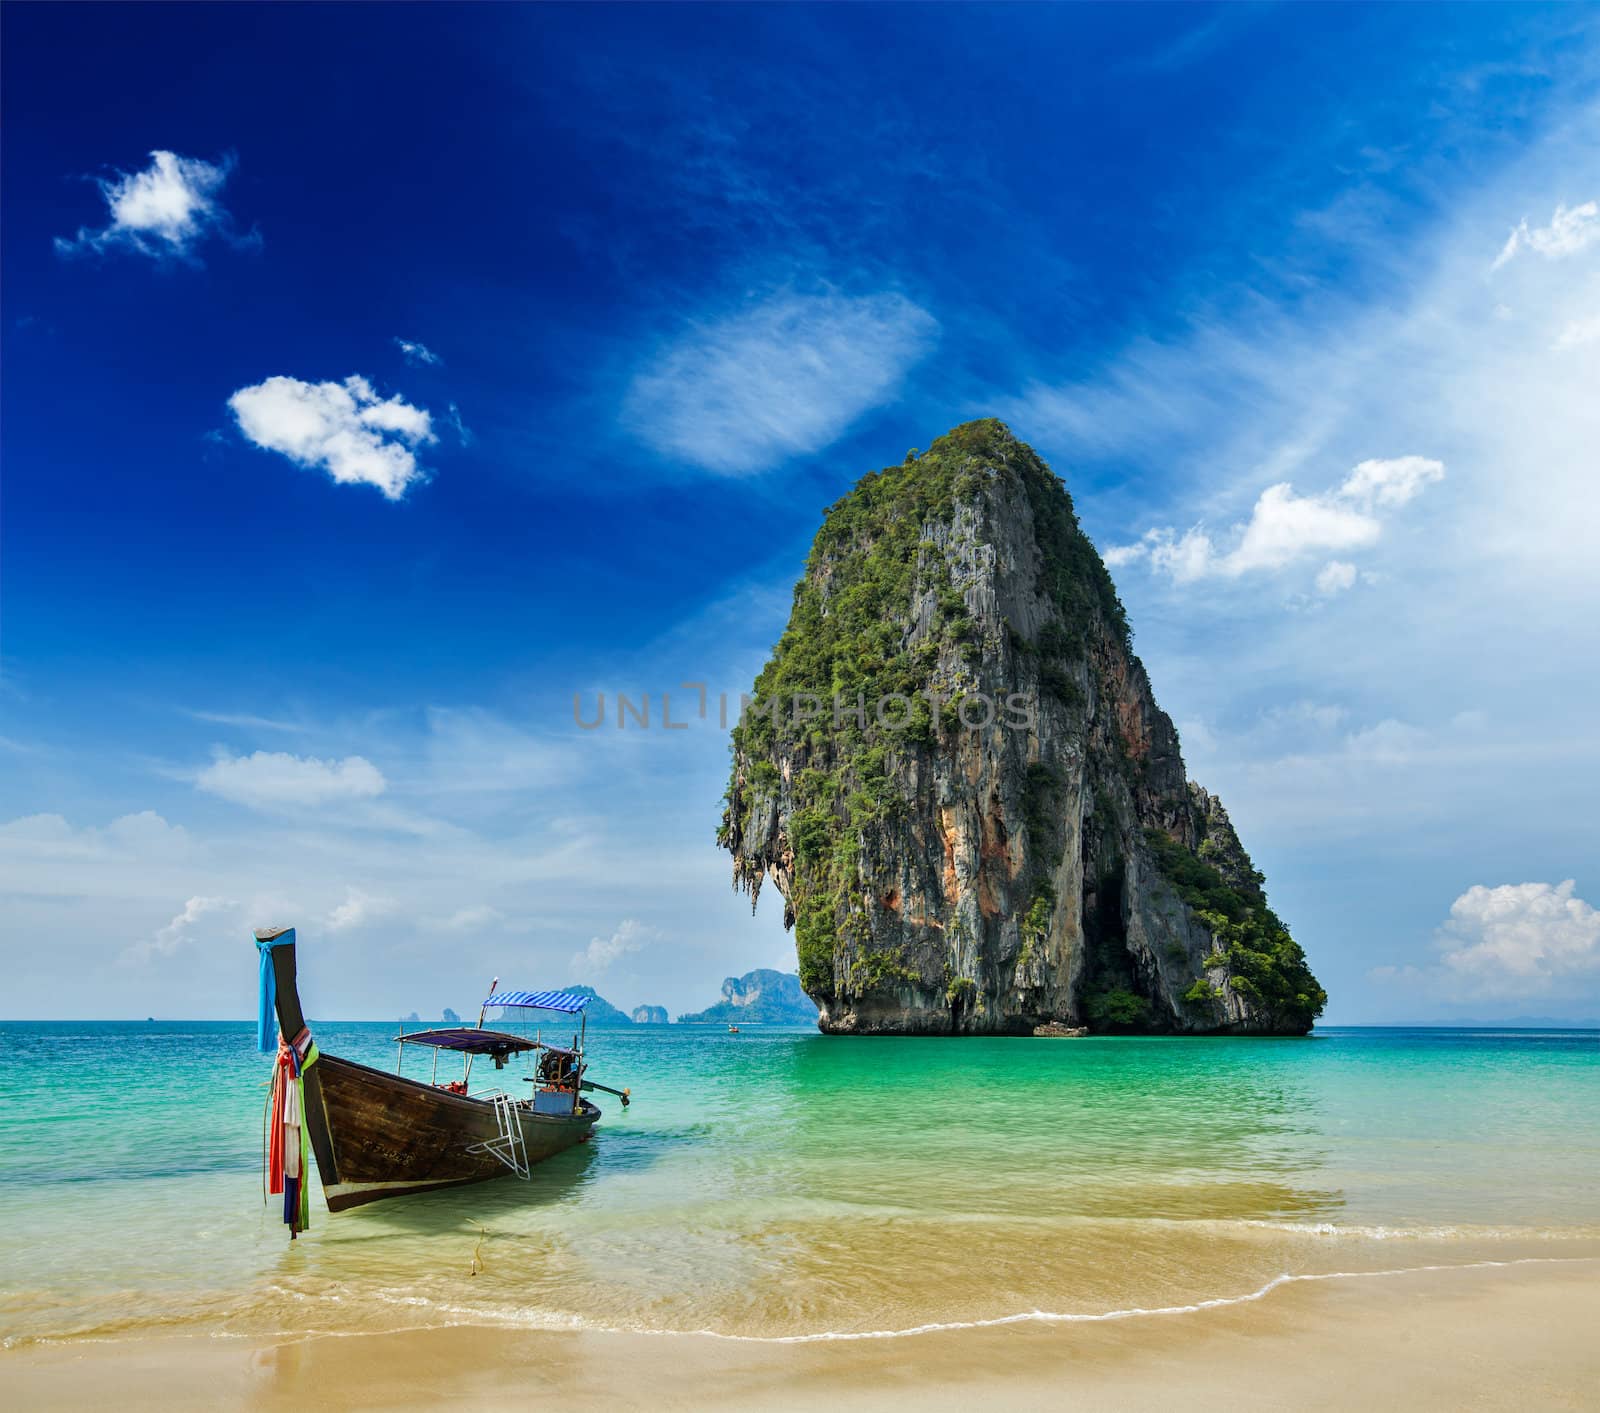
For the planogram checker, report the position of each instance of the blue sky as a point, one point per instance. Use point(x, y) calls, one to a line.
point(451, 362)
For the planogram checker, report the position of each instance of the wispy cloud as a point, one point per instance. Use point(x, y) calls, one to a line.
point(471, 919)
point(245, 720)
point(1198, 42)
point(345, 429)
point(1577, 332)
point(418, 355)
point(781, 378)
point(180, 932)
point(357, 910)
point(1335, 577)
point(164, 212)
point(1569, 232)
point(603, 952)
point(471, 751)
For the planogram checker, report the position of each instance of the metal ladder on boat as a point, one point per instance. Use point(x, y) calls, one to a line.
point(507, 1145)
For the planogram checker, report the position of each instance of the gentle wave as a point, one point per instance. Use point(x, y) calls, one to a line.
point(550, 1322)
point(1353, 1231)
point(1052, 1317)
point(544, 1321)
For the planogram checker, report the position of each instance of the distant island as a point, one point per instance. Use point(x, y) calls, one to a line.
point(600, 1011)
point(761, 997)
point(997, 831)
point(449, 1017)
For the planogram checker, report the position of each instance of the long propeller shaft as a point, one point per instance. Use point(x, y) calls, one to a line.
point(622, 1094)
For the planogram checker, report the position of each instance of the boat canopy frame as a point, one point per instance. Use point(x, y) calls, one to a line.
point(470, 1040)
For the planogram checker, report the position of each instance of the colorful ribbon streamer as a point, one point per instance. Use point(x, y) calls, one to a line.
point(288, 1156)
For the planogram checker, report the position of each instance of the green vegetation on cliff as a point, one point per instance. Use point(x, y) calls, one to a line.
point(1265, 963)
point(847, 631)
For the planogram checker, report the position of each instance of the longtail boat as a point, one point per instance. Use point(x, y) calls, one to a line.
point(378, 1135)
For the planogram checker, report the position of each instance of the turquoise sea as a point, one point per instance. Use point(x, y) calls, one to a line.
point(784, 1184)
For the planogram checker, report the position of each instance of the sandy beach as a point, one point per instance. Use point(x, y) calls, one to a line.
point(1512, 1336)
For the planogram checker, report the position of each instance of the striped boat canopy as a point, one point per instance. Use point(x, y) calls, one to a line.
point(569, 1001)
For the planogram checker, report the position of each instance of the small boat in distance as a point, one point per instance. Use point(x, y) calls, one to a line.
point(378, 1135)
point(733, 1030)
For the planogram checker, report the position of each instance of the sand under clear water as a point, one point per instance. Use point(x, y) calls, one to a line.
point(790, 1187)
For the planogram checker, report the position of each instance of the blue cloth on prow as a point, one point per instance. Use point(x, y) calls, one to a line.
point(267, 994)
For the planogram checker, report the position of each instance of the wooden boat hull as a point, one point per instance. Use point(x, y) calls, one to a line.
point(378, 1135)
point(387, 1136)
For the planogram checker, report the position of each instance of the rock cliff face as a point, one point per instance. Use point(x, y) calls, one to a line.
point(955, 772)
point(649, 1015)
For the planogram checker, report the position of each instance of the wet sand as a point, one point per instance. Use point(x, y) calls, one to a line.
point(1510, 1337)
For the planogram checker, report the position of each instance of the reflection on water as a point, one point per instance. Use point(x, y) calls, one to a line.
point(774, 1182)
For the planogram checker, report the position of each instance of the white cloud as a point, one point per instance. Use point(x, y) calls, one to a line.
point(48, 837)
point(601, 952)
point(357, 909)
point(1336, 576)
point(179, 931)
point(418, 355)
point(278, 780)
point(782, 378)
point(164, 211)
point(471, 919)
point(1569, 232)
point(345, 428)
point(1392, 482)
point(1285, 527)
point(1520, 940)
point(1389, 742)
point(1185, 559)
point(1324, 715)
point(1577, 332)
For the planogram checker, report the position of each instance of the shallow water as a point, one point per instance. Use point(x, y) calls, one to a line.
point(781, 1183)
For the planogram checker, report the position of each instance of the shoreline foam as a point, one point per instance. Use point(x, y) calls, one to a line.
point(556, 1323)
point(1488, 1335)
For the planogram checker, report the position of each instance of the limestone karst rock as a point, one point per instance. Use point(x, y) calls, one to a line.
point(1021, 846)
